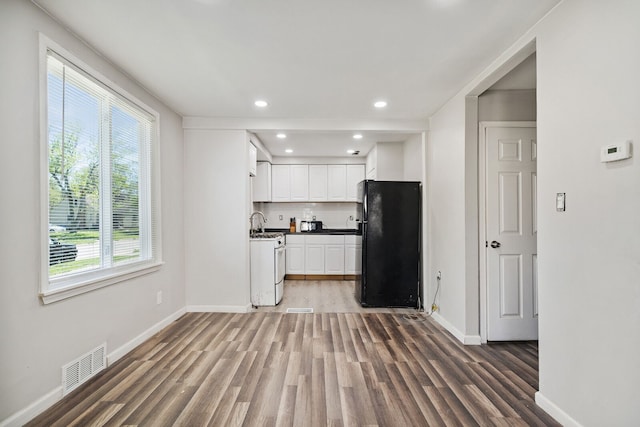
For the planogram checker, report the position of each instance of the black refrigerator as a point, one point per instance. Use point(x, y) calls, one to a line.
point(390, 214)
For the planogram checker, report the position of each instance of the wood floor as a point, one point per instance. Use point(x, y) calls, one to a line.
point(269, 368)
point(326, 296)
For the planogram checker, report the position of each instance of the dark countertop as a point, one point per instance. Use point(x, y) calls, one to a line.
point(325, 231)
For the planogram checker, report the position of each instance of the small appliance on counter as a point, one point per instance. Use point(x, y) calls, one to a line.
point(311, 226)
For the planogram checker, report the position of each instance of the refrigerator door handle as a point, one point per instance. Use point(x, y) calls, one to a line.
point(365, 213)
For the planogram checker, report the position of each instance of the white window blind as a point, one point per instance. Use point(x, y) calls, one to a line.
point(99, 144)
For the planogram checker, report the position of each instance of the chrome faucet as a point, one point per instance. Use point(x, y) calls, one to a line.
point(251, 230)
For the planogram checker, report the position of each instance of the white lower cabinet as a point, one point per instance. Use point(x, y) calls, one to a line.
point(352, 254)
point(295, 259)
point(334, 259)
point(314, 258)
point(316, 254)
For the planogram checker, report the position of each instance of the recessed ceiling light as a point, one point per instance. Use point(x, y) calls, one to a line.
point(281, 135)
point(261, 103)
point(380, 104)
point(357, 136)
point(351, 151)
point(288, 150)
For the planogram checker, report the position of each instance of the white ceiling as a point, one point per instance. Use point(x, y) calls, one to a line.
point(326, 143)
point(323, 61)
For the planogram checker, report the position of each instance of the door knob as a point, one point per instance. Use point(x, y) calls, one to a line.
point(495, 244)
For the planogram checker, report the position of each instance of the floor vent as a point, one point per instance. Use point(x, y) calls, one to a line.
point(84, 367)
point(299, 310)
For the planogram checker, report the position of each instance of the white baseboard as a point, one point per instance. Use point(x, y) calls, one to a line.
point(36, 408)
point(464, 339)
point(218, 308)
point(45, 402)
point(558, 414)
point(128, 346)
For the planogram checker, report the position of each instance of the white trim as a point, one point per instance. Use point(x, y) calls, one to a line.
point(119, 352)
point(218, 308)
point(552, 409)
point(464, 339)
point(28, 413)
point(59, 288)
point(78, 288)
point(44, 160)
point(263, 124)
point(482, 212)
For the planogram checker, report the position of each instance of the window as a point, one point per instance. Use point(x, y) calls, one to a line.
point(99, 197)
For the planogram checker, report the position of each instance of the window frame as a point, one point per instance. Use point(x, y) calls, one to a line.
point(80, 283)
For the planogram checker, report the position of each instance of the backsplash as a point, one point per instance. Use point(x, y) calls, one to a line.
point(333, 215)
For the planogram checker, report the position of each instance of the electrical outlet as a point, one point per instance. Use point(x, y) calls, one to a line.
point(280, 217)
point(434, 307)
point(159, 298)
point(439, 275)
point(350, 217)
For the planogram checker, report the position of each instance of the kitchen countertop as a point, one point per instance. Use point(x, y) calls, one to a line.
point(325, 231)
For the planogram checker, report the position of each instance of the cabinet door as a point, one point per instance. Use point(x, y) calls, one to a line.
point(295, 259)
point(349, 259)
point(299, 183)
point(337, 183)
point(355, 174)
point(318, 183)
point(262, 183)
point(334, 259)
point(314, 259)
point(352, 259)
point(253, 158)
point(280, 187)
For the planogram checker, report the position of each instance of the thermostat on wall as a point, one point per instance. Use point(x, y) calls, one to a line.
point(612, 153)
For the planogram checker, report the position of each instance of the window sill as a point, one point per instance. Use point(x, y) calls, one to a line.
point(82, 287)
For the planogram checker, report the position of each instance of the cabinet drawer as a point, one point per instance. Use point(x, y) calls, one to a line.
point(295, 239)
point(324, 240)
point(353, 240)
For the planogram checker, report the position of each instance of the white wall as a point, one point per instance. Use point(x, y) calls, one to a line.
point(502, 105)
point(37, 340)
point(389, 159)
point(589, 256)
point(413, 160)
point(216, 220)
point(589, 96)
point(445, 213)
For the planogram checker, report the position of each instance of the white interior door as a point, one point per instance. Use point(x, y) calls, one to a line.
point(511, 231)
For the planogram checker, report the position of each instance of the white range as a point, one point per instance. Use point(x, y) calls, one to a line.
point(267, 268)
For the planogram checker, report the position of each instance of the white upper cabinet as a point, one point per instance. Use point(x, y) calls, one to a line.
point(337, 183)
point(299, 176)
point(253, 159)
point(280, 183)
point(262, 183)
point(355, 174)
point(318, 183)
point(315, 183)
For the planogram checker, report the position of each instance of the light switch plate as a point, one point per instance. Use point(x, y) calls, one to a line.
point(560, 202)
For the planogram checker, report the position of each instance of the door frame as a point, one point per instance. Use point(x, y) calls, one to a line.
point(482, 211)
